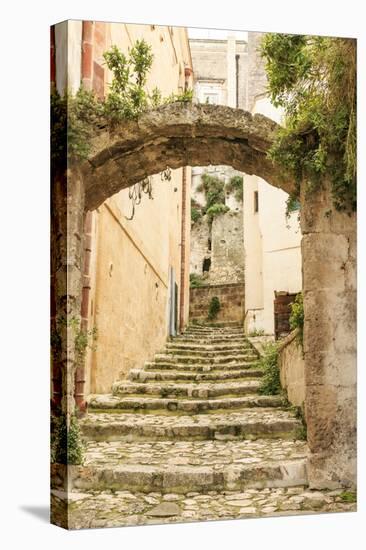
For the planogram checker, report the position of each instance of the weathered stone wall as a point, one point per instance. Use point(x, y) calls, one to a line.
point(231, 298)
point(200, 235)
point(292, 369)
point(222, 244)
point(329, 285)
point(227, 258)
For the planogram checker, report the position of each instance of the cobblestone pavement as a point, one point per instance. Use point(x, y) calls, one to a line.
point(123, 508)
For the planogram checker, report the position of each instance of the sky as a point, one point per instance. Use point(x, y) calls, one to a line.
point(218, 34)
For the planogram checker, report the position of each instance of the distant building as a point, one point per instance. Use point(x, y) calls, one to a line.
point(220, 74)
point(271, 241)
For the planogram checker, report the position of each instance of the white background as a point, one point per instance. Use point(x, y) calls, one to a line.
point(24, 373)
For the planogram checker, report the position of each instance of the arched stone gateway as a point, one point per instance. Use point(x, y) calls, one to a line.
point(176, 135)
point(184, 134)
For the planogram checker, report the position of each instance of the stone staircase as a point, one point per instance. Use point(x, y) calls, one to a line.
point(189, 438)
point(193, 420)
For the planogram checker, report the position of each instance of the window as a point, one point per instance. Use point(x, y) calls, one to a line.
point(256, 204)
point(206, 264)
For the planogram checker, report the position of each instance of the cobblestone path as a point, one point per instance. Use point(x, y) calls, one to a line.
point(189, 438)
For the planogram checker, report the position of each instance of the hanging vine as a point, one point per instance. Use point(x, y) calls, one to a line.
point(136, 192)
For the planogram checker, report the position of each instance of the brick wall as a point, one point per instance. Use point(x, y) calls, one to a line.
point(231, 298)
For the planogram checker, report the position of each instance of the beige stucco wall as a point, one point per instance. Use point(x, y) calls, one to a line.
point(129, 297)
point(271, 243)
point(68, 59)
point(292, 369)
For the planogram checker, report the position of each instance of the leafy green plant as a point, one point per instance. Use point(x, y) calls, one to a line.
point(196, 280)
point(213, 308)
point(67, 446)
point(313, 79)
point(76, 117)
point(348, 496)
point(215, 210)
point(235, 185)
point(195, 214)
point(297, 315)
point(270, 382)
point(213, 187)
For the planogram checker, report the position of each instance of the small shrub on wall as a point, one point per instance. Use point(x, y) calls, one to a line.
point(213, 308)
point(270, 383)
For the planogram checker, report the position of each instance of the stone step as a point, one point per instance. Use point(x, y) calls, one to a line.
point(96, 509)
point(202, 348)
point(188, 405)
point(209, 352)
point(213, 334)
point(144, 375)
point(169, 364)
point(200, 466)
point(252, 423)
point(217, 327)
point(208, 341)
point(198, 390)
point(204, 358)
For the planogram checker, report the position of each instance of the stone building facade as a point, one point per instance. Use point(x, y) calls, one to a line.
point(217, 249)
point(136, 272)
point(272, 240)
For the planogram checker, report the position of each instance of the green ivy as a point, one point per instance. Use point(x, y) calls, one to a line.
point(235, 185)
point(67, 446)
point(313, 79)
point(297, 315)
point(195, 280)
point(215, 210)
point(76, 117)
point(213, 308)
point(270, 382)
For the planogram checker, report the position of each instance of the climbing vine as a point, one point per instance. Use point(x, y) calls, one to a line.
point(297, 315)
point(270, 382)
point(214, 191)
point(75, 118)
point(213, 308)
point(235, 185)
point(67, 446)
point(313, 79)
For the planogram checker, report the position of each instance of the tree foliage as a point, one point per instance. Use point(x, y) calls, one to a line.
point(75, 117)
point(235, 185)
point(313, 79)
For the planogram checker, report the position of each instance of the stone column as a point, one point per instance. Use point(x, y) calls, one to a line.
point(67, 257)
point(329, 285)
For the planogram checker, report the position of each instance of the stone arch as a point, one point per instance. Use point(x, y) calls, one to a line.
point(176, 135)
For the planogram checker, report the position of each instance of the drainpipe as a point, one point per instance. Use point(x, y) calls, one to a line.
point(183, 249)
point(237, 57)
point(86, 81)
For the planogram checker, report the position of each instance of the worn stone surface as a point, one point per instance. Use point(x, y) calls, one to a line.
point(231, 298)
point(328, 248)
point(292, 369)
point(222, 243)
point(123, 508)
point(175, 135)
